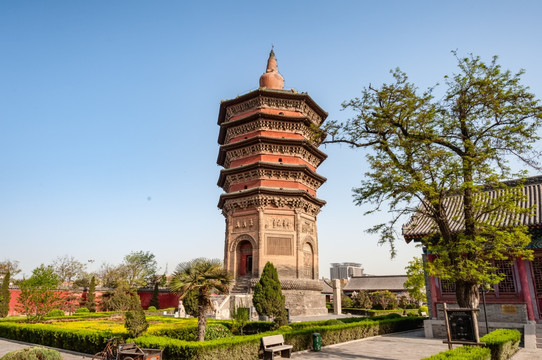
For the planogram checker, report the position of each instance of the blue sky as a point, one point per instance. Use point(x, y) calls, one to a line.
point(108, 110)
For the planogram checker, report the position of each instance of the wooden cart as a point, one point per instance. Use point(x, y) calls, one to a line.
point(133, 352)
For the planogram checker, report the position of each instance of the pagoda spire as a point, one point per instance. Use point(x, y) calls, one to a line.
point(272, 79)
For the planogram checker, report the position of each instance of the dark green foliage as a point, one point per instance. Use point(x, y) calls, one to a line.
point(503, 343)
point(33, 353)
point(155, 301)
point(136, 322)
point(267, 298)
point(346, 301)
point(5, 296)
point(56, 312)
point(90, 303)
point(120, 299)
point(190, 303)
point(362, 300)
point(463, 353)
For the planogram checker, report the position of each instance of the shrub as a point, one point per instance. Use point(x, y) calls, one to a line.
point(56, 312)
point(463, 353)
point(267, 298)
point(33, 353)
point(333, 322)
point(503, 343)
point(82, 310)
point(346, 301)
point(136, 323)
point(240, 316)
point(217, 331)
point(362, 300)
point(384, 300)
point(90, 303)
point(5, 296)
point(151, 308)
point(155, 300)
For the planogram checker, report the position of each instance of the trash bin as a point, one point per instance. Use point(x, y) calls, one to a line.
point(316, 342)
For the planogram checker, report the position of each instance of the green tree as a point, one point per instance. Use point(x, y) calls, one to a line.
point(122, 298)
point(90, 302)
point(346, 301)
point(155, 300)
point(415, 283)
point(190, 303)
point(362, 300)
point(140, 269)
point(428, 149)
point(202, 276)
point(267, 298)
point(384, 300)
point(5, 295)
point(38, 293)
point(9, 265)
point(136, 322)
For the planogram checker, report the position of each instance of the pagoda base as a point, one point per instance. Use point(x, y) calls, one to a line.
point(305, 302)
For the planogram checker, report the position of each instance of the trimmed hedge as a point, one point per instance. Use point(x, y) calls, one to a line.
point(238, 347)
point(503, 343)
point(463, 353)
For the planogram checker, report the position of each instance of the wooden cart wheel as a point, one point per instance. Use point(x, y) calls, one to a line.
point(128, 358)
point(100, 356)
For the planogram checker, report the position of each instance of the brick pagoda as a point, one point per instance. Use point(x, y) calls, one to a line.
point(270, 182)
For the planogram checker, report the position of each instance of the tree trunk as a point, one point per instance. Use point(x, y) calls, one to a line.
point(467, 294)
point(202, 321)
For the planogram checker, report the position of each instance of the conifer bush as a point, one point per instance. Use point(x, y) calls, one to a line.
point(136, 322)
point(5, 296)
point(267, 298)
point(90, 303)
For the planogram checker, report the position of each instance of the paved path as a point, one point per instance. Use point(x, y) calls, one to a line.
point(411, 345)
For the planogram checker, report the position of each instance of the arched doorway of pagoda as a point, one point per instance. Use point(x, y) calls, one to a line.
point(244, 252)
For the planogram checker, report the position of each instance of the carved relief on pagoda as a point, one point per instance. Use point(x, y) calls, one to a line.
point(298, 176)
point(276, 201)
point(307, 227)
point(264, 148)
point(279, 223)
point(244, 224)
point(274, 103)
point(296, 127)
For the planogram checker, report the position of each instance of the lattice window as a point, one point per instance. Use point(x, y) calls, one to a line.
point(448, 287)
point(537, 274)
point(507, 285)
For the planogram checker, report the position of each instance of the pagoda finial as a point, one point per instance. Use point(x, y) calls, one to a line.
point(272, 79)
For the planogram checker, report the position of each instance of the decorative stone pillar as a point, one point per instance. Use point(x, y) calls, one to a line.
point(337, 294)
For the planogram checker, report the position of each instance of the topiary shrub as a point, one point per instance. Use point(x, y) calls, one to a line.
point(82, 310)
point(423, 309)
point(56, 312)
point(217, 331)
point(33, 353)
point(463, 353)
point(151, 308)
point(333, 322)
point(136, 322)
point(503, 343)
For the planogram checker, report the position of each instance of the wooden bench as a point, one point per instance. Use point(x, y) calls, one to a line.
point(273, 344)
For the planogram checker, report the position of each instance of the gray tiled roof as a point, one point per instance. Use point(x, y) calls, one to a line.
point(420, 225)
point(376, 283)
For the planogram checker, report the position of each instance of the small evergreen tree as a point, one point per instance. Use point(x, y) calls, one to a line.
point(155, 301)
point(346, 301)
point(362, 300)
point(190, 303)
point(90, 304)
point(136, 322)
point(5, 296)
point(267, 298)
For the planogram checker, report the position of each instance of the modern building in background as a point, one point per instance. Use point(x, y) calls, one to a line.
point(345, 270)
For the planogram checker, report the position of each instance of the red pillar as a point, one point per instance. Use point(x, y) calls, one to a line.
point(525, 289)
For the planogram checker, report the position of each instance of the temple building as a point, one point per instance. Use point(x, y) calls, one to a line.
point(270, 157)
point(515, 302)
